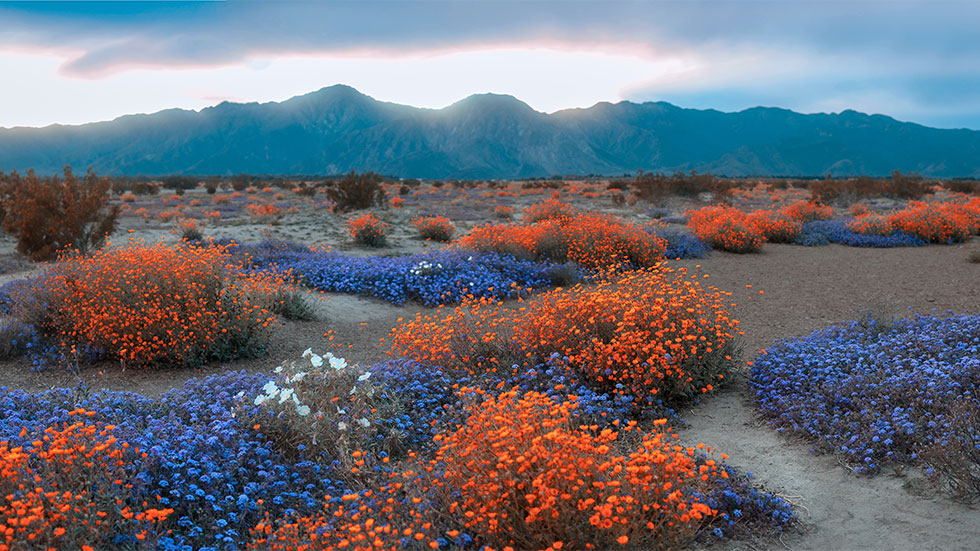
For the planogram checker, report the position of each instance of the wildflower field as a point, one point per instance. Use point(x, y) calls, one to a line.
point(543, 365)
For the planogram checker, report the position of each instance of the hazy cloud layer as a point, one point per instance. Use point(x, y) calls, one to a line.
point(913, 59)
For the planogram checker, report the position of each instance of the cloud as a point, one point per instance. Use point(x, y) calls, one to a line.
point(916, 58)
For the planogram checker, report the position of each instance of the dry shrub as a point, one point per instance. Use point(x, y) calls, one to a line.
point(357, 191)
point(49, 215)
point(656, 187)
point(955, 459)
point(898, 186)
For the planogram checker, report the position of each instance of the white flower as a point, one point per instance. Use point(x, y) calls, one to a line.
point(271, 388)
point(365, 376)
point(364, 422)
point(308, 352)
point(303, 410)
point(337, 363)
point(240, 395)
point(316, 360)
point(278, 369)
point(341, 411)
point(342, 425)
point(260, 399)
point(286, 394)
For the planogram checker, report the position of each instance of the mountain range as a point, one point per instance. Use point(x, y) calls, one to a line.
point(337, 129)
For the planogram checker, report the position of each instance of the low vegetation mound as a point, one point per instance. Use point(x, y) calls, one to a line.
point(882, 394)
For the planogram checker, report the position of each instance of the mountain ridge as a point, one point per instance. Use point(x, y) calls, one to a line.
point(337, 129)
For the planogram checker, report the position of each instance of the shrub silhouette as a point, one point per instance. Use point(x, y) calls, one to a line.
point(51, 214)
point(357, 191)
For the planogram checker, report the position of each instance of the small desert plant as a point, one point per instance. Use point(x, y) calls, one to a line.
point(325, 406)
point(396, 202)
point(49, 215)
point(368, 231)
point(188, 229)
point(503, 212)
point(357, 191)
point(435, 228)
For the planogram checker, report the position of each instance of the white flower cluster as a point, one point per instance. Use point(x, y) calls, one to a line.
point(425, 268)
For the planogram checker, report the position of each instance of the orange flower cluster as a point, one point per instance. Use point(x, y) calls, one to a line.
point(549, 209)
point(503, 211)
point(527, 477)
point(642, 333)
point(146, 304)
point(263, 209)
point(67, 490)
point(396, 202)
point(809, 211)
point(436, 228)
point(522, 474)
point(726, 228)
point(776, 227)
point(368, 230)
point(939, 222)
point(591, 239)
point(872, 224)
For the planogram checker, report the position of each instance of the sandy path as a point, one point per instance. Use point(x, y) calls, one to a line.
point(807, 289)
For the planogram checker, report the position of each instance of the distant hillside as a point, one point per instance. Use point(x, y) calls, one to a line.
point(337, 129)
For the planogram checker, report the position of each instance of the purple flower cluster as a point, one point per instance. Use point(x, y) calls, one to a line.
point(680, 244)
point(824, 232)
point(441, 277)
point(874, 393)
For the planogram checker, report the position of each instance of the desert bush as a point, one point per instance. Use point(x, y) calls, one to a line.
point(127, 197)
point(549, 209)
point(368, 231)
point(857, 209)
point(898, 186)
point(221, 199)
point(954, 457)
point(872, 224)
point(525, 474)
point(656, 187)
point(679, 244)
point(396, 202)
point(49, 215)
point(325, 407)
point(824, 232)
point(963, 186)
point(808, 211)
point(435, 228)
point(590, 239)
point(638, 334)
point(357, 191)
point(153, 304)
point(776, 227)
point(939, 222)
point(726, 228)
point(503, 212)
point(188, 229)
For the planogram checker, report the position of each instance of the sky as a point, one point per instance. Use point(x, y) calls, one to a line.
point(77, 62)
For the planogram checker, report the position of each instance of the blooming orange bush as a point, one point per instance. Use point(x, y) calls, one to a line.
point(436, 228)
point(502, 211)
point(396, 202)
point(872, 224)
point(152, 304)
point(549, 209)
point(726, 228)
point(263, 210)
point(70, 488)
point(591, 239)
point(776, 227)
point(939, 222)
point(651, 334)
point(127, 197)
point(809, 211)
point(528, 477)
point(368, 231)
point(521, 473)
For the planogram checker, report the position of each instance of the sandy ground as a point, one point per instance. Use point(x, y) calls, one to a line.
point(805, 289)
